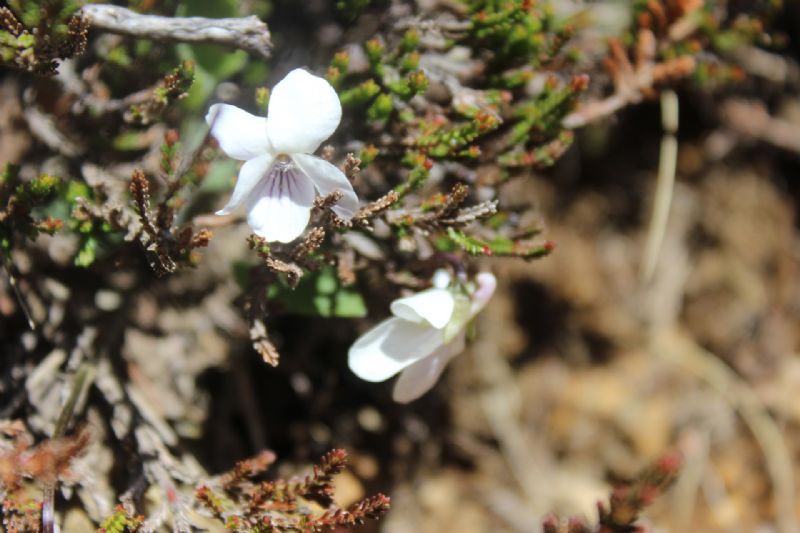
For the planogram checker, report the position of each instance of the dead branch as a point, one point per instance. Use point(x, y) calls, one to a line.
point(637, 83)
point(43, 126)
point(767, 65)
point(752, 119)
point(247, 33)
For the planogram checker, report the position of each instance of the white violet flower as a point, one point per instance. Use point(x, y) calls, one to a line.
point(427, 330)
point(277, 182)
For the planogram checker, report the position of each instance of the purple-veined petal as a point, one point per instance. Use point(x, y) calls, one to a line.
point(280, 205)
point(240, 135)
point(418, 378)
point(303, 111)
point(390, 347)
point(249, 176)
point(328, 178)
point(434, 306)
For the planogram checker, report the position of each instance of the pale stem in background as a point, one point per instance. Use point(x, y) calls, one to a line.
point(664, 187)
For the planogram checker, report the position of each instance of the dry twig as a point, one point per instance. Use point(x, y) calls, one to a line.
point(247, 33)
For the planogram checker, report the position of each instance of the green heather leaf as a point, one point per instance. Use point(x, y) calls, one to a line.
point(76, 189)
point(26, 40)
point(88, 253)
point(131, 141)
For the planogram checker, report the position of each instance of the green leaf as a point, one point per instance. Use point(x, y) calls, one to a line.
point(212, 64)
point(220, 176)
point(216, 9)
point(241, 273)
point(348, 303)
point(320, 294)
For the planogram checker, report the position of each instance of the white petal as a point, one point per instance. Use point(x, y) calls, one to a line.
point(434, 306)
point(441, 279)
point(249, 176)
point(391, 346)
point(280, 206)
point(419, 378)
point(327, 178)
point(303, 111)
point(487, 283)
point(240, 135)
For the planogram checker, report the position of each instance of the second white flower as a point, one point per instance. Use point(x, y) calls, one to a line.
point(427, 330)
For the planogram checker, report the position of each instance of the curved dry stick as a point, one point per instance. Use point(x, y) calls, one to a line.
point(79, 386)
point(247, 33)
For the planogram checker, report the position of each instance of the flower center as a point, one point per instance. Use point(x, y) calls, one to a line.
point(282, 167)
point(279, 180)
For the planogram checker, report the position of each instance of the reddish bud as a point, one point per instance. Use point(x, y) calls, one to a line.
point(550, 524)
point(577, 525)
point(171, 137)
point(670, 463)
point(580, 83)
point(645, 21)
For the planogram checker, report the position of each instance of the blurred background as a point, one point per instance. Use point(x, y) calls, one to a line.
point(584, 369)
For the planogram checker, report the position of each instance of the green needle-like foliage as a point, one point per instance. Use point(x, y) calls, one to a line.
point(34, 34)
